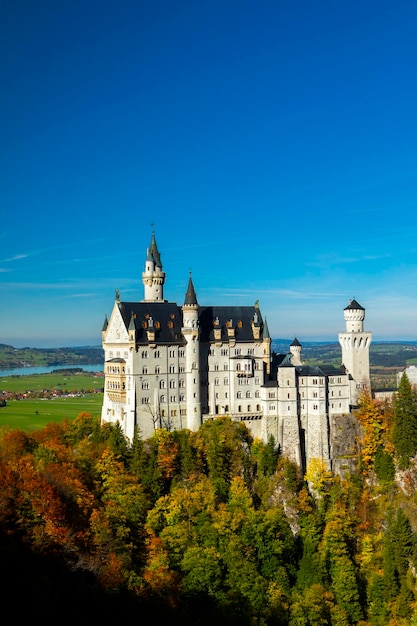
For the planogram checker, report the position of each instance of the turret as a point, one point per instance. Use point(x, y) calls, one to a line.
point(153, 277)
point(355, 345)
point(295, 349)
point(190, 331)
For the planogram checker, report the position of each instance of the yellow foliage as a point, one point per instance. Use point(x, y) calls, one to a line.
point(318, 475)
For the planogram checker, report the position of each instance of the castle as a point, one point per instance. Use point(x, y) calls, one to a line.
point(174, 367)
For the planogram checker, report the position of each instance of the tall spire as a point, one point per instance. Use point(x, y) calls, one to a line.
point(153, 277)
point(153, 251)
point(190, 295)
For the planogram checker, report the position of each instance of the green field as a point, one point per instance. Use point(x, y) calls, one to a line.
point(55, 380)
point(34, 413)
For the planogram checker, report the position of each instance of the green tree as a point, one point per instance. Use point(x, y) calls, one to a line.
point(404, 434)
point(384, 467)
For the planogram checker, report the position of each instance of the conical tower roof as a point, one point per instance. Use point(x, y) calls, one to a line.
point(190, 295)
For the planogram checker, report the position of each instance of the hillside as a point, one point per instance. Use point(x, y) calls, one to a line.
point(26, 357)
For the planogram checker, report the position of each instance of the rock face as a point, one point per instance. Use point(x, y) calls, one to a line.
point(345, 434)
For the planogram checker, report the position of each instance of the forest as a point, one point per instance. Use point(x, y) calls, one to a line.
point(211, 526)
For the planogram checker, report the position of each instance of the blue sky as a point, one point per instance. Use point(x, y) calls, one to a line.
point(272, 144)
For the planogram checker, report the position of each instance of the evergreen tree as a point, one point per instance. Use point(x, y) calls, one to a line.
point(404, 434)
point(384, 467)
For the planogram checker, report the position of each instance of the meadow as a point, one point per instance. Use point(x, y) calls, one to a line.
point(34, 413)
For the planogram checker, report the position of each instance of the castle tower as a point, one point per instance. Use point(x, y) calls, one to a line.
point(355, 345)
point(153, 277)
point(295, 349)
point(190, 331)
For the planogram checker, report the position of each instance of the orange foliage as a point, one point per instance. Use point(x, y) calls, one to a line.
point(167, 454)
point(157, 573)
point(371, 418)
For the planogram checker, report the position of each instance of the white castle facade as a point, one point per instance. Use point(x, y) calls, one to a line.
point(171, 366)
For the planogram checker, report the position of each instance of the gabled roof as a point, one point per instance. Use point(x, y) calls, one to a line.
point(165, 318)
point(238, 317)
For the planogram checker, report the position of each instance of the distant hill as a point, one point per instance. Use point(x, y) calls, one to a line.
point(26, 357)
point(389, 354)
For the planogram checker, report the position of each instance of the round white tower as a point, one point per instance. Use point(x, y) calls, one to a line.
point(190, 331)
point(153, 277)
point(355, 345)
point(295, 349)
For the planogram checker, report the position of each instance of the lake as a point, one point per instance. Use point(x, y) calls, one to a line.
point(26, 371)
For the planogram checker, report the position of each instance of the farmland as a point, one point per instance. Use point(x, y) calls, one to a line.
point(36, 400)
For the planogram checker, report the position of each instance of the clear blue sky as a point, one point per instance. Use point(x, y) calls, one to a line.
point(272, 144)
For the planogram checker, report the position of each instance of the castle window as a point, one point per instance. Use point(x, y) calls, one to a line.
point(225, 367)
point(144, 370)
point(172, 384)
point(181, 353)
point(181, 369)
point(157, 369)
point(182, 383)
point(239, 394)
point(145, 384)
point(144, 354)
point(315, 395)
point(238, 351)
point(258, 407)
point(183, 412)
point(239, 408)
point(272, 407)
point(216, 367)
point(226, 395)
point(321, 381)
point(248, 394)
point(156, 354)
point(194, 366)
point(257, 394)
point(172, 353)
point(238, 367)
point(225, 381)
point(162, 399)
point(145, 400)
point(216, 381)
point(172, 369)
point(162, 384)
point(289, 408)
point(257, 381)
point(314, 381)
point(271, 394)
point(217, 396)
point(173, 413)
point(340, 393)
point(315, 407)
point(257, 365)
point(182, 397)
point(288, 382)
point(172, 398)
point(288, 396)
